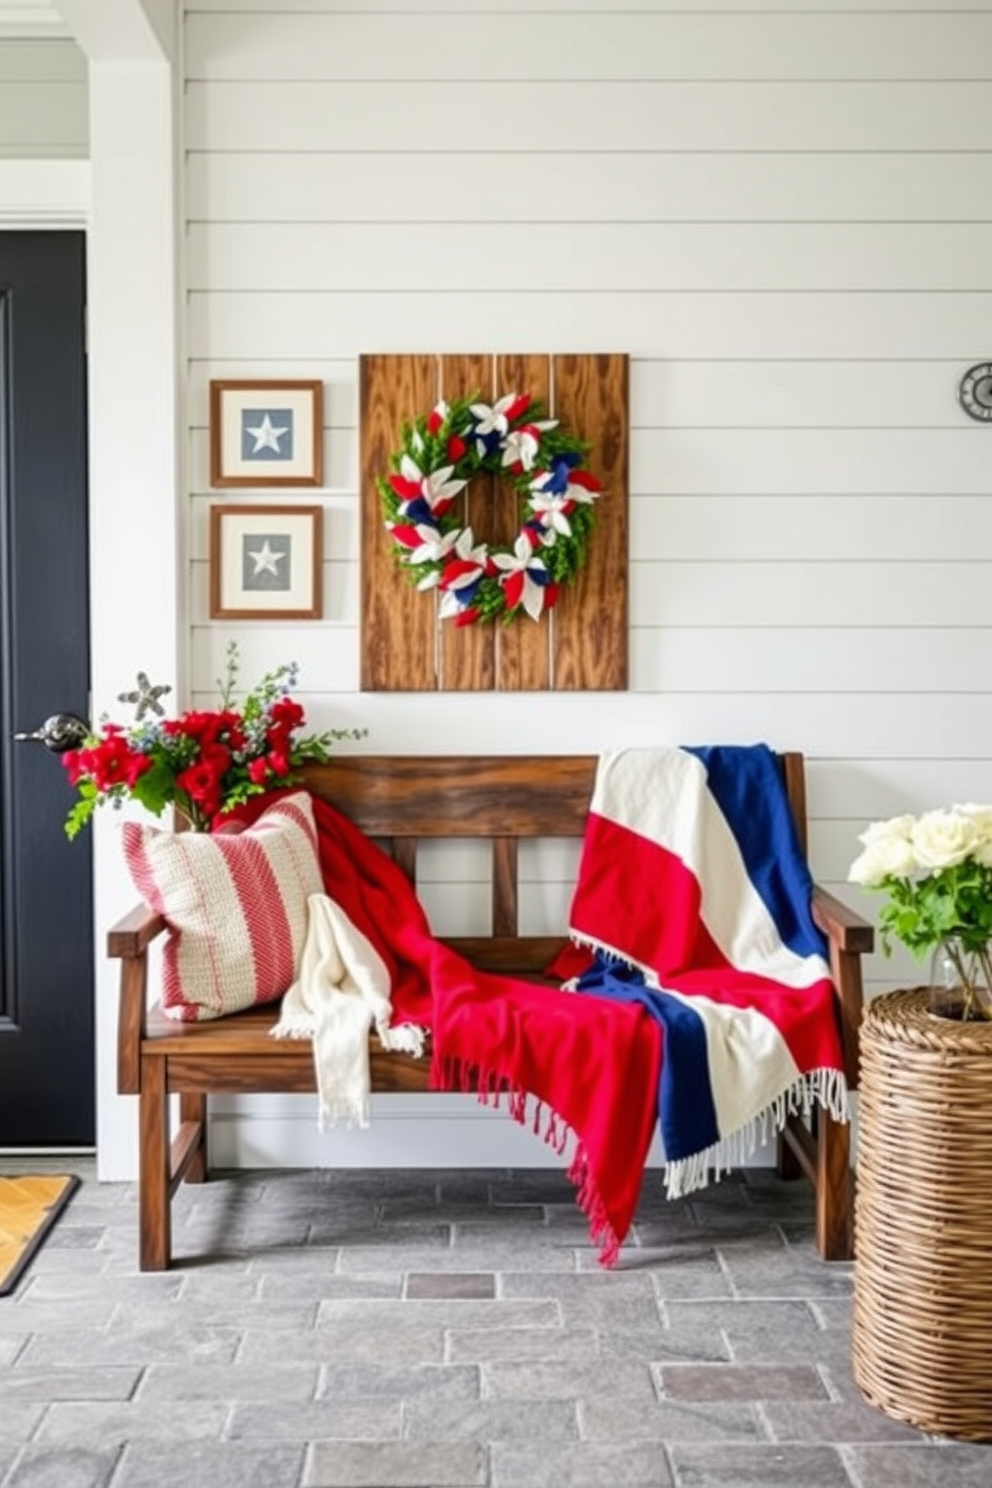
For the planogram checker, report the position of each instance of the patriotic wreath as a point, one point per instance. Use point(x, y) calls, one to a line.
point(441, 452)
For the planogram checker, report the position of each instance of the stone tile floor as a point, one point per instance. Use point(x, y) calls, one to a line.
point(364, 1329)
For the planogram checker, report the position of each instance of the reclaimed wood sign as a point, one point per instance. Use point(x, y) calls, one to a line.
point(579, 644)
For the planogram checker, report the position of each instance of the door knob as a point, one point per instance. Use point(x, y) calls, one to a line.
point(60, 732)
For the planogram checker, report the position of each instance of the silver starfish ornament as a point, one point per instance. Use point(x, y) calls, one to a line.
point(146, 697)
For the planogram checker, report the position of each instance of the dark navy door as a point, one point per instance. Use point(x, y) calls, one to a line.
point(47, 1079)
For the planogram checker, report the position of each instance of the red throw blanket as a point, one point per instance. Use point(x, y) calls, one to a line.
point(589, 1066)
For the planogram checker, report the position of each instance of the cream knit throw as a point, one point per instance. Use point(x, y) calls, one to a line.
point(342, 990)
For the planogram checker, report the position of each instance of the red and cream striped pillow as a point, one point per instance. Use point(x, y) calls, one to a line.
point(235, 904)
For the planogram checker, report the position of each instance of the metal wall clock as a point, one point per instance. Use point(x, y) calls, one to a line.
point(975, 392)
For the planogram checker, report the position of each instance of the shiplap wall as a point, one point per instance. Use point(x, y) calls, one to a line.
point(783, 212)
point(43, 99)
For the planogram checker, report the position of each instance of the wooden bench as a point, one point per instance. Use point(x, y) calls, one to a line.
point(401, 801)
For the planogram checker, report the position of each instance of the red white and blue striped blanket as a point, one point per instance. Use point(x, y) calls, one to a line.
point(695, 896)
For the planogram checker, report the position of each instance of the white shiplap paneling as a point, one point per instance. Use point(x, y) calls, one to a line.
point(410, 116)
point(887, 324)
point(612, 44)
point(573, 258)
point(781, 185)
point(780, 210)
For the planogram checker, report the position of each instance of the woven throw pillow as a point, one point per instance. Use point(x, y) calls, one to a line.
point(235, 905)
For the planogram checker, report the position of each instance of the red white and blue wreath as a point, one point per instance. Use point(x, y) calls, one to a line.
point(511, 438)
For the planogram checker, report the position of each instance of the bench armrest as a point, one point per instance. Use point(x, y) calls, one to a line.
point(839, 923)
point(850, 936)
point(128, 942)
point(134, 932)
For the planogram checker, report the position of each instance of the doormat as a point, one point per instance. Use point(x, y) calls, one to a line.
point(29, 1206)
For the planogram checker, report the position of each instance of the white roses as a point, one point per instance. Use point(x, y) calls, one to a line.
point(905, 845)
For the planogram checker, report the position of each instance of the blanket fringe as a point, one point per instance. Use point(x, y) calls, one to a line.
point(589, 1200)
point(591, 943)
point(826, 1088)
point(451, 1073)
point(403, 1038)
point(296, 1028)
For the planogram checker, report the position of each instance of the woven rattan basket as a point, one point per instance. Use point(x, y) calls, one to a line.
point(923, 1218)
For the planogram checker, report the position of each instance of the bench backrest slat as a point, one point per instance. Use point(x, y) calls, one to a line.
point(466, 796)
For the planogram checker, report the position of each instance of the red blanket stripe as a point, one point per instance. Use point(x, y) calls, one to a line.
point(580, 1066)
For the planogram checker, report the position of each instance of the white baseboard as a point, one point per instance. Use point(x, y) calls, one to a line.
point(420, 1131)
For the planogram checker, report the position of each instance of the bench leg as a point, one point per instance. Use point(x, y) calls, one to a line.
point(193, 1112)
point(834, 1189)
point(154, 1216)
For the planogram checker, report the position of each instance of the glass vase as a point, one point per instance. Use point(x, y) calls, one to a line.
point(961, 981)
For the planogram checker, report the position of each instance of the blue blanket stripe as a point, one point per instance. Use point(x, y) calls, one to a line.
point(686, 1113)
point(746, 783)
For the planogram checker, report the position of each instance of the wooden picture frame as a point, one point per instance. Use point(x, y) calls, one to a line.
point(266, 433)
point(266, 562)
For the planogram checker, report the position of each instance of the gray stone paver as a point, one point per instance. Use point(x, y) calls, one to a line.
point(441, 1312)
point(62, 1467)
point(638, 1464)
point(131, 1346)
point(18, 1419)
point(262, 1313)
point(303, 1286)
point(60, 1383)
point(686, 1343)
point(494, 1256)
point(317, 1420)
point(99, 1423)
point(740, 1382)
point(831, 1421)
point(217, 1464)
point(231, 1382)
point(742, 1465)
point(608, 1379)
point(698, 1274)
point(617, 1420)
point(765, 1331)
point(396, 1465)
point(20, 1317)
point(434, 1330)
point(400, 1381)
point(490, 1420)
point(165, 1286)
point(606, 1301)
point(352, 1341)
point(455, 1284)
point(941, 1464)
point(476, 1345)
point(786, 1274)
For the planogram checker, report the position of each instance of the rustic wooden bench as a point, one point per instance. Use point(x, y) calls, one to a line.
point(400, 801)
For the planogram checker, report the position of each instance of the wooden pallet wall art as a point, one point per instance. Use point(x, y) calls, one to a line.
point(580, 644)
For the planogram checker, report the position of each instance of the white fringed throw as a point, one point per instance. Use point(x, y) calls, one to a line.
point(341, 991)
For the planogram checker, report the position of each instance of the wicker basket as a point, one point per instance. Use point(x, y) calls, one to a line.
point(923, 1218)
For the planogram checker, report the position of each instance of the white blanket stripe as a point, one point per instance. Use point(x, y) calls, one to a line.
point(662, 794)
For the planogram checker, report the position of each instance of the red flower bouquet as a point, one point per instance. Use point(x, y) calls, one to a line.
point(202, 763)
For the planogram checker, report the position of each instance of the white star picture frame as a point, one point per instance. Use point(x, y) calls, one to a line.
point(266, 433)
point(266, 562)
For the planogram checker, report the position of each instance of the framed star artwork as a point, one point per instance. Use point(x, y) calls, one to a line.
point(266, 433)
point(266, 562)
